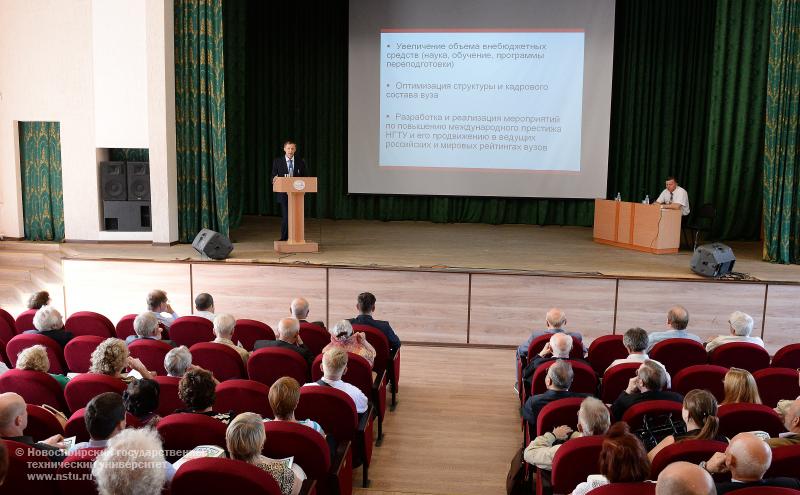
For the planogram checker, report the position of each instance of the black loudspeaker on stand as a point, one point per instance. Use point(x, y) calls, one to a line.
point(125, 189)
point(212, 245)
point(713, 260)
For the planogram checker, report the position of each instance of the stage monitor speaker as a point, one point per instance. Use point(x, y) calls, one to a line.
point(113, 181)
point(713, 260)
point(212, 244)
point(138, 181)
point(127, 216)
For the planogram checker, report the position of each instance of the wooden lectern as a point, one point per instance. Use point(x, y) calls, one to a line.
point(638, 226)
point(296, 188)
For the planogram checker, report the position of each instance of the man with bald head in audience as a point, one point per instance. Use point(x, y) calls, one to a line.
point(747, 458)
point(677, 321)
point(555, 321)
point(559, 347)
point(685, 478)
point(300, 309)
point(14, 420)
point(791, 421)
point(288, 338)
point(558, 381)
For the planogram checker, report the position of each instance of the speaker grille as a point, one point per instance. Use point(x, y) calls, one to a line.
point(113, 181)
point(138, 181)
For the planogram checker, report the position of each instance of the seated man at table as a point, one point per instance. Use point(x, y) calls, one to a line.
point(674, 197)
point(648, 384)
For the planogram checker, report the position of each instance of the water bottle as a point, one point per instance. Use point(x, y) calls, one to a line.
point(646, 199)
point(618, 197)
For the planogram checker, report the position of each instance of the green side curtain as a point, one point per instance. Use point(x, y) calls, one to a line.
point(782, 159)
point(42, 191)
point(200, 118)
point(129, 154)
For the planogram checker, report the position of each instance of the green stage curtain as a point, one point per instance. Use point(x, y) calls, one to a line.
point(200, 118)
point(782, 160)
point(129, 154)
point(42, 191)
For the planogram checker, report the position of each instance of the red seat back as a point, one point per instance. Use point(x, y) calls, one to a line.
point(35, 387)
point(736, 418)
point(3, 355)
point(220, 475)
point(787, 357)
point(76, 472)
point(244, 396)
point(616, 379)
point(785, 462)
point(636, 413)
point(703, 376)
point(604, 350)
point(24, 321)
point(25, 463)
point(168, 399)
point(775, 384)
point(90, 323)
point(310, 451)
point(83, 388)
point(584, 379)
point(249, 331)
point(191, 330)
point(378, 340)
point(314, 337)
point(358, 374)
point(267, 364)
point(124, 328)
point(574, 461)
point(8, 328)
point(693, 451)
point(539, 342)
point(557, 413)
point(751, 357)
point(225, 363)
point(641, 488)
point(333, 409)
point(151, 353)
point(78, 352)
point(42, 423)
point(677, 354)
point(55, 354)
point(185, 431)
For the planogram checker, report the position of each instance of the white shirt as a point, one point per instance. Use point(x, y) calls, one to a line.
point(727, 339)
point(679, 195)
point(208, 315)
point(640, 358)
point(592, 481)
point(357, 395)
point(166, 318)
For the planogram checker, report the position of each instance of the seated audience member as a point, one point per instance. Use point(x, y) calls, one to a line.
point(104, 417)
point(158, 304)
point(593, 419)
point(558, 381)
point(35, 358)
point(342, 337)
point(784, 404)
point(245, 440)
point(685, 478)
point(178, 361)
point(648, 384)
point(14, 420)
point(204, 306)
point(791, 421)
point(334, 364)
point(622, 460)
point(555, 322)
point(288, 338)
point(365, 307)
point(3, 367)
point(39, 299)
point(740, 387)
point(111, 357)
point(559, 347)
point(740, 326)
point(699, 413)
point(48, 322)
point(146, 326)
point(140, 447)
point(284, 395)
point(635, 341)
point(747, 458)
point(677, 321)
point(3, 462)
point(141, 401)
point(223, 330)
point(197, 390)
point(299, 309)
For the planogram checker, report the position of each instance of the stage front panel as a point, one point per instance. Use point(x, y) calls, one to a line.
point(781, 324)
point(421, 306)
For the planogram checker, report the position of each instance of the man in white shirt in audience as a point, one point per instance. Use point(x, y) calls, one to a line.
point(223, 330)
point(741, 326)
point(146, 326)
point(204, 306)
point(158, 304)
point(635, 341)
point(674, 197)
point(677, 321)
point(334, 365)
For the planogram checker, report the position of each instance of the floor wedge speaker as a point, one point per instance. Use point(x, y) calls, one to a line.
point(713, 260)
point(212, 244)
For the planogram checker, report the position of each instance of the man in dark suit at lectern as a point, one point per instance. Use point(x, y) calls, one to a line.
point(282, 166)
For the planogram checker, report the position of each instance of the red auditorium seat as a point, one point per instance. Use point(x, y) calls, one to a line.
point(767, 490)
point(384, 359)
point(785, 462)
point(636, 413)
point(538, 344)
point(775, 384)
point(314, 337)
point(24, 321)
point(615, 380)
point(89, 323)
point(574, 461)
point(248, 331)
point(8, 329)
point(557, 413)
point(83, 388)
point(42, 423)
point(220, 475)
point(168, 399)
point(704, 376)
point(584, 378)
point(151, 353)
point(185, 431)
point(3, 355)
point(78, 352)
point(76, 425)
point(22, 462)
point(787, 357)
point(605, 350)
point(750, 357)
point(267, 364)
point(75, 472)
point(35, 387)
point(736, 418)
point(55, 354)
point(124, 328)
point(225, 363)
point(335, 411)
point(643, 488)
point(677, 354)
point(693, 451)
point(191, 330)
point(309, 448)
point(244, 396)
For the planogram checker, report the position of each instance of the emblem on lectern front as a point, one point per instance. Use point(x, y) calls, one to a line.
point(299, 185)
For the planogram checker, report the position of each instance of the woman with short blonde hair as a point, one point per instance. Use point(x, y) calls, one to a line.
point(740, 387)
point(111, 357)
point(34, 358)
